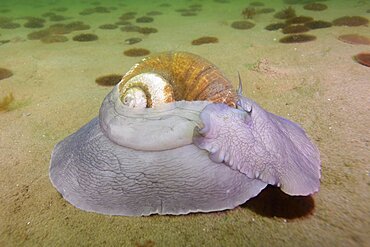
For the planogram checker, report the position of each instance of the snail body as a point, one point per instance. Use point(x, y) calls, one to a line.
point(170, 138)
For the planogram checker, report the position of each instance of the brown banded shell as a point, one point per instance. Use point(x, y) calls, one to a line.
point(190, 77)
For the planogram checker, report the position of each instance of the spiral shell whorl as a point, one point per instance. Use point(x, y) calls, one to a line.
point(191, 77)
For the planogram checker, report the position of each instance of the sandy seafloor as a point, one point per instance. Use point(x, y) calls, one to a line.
point(316, 84)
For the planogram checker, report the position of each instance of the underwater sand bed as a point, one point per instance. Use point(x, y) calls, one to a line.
point(54, 39)
point(286, 78)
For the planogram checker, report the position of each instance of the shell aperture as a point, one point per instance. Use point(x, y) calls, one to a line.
point(162, 145)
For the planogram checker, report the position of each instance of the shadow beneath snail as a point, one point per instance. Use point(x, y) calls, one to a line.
point(272, 202)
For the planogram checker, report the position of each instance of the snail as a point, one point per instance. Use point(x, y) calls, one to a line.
point(174, 137)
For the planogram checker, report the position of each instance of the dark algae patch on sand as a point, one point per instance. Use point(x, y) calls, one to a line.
point(77, 26)
point(249, 12)
point(85, 37)
point(257, 4)
point(4, 41)
point(99, 9)
point(136, 52)
point(318, 24)
point(363, 58)
point(299, 19)
point(5, 73)
point(38, 34)
point(297, 38)
point(142, 30)
point(275, 26)
point(354, 39)
point(59, 28)
point(147, 30)
point(295, 29)
point(286, 13)
point(108, 80)
point(30, 24)
point(351, 21)
point(6, 101)
point(34, 22)
point(108, 26)
point(315, 6)
point(252, 11)
point(131, 41)
point(242, 25)
point(144, 19)
point(128, 16)
point(130, 28)
point(10, 25)
point(205, 40)
point(265, 10)
point(56, 30)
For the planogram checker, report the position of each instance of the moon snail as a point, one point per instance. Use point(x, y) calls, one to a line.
point(174, 137)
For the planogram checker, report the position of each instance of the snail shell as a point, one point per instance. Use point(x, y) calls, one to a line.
point(134, 114)
point(188, 77)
